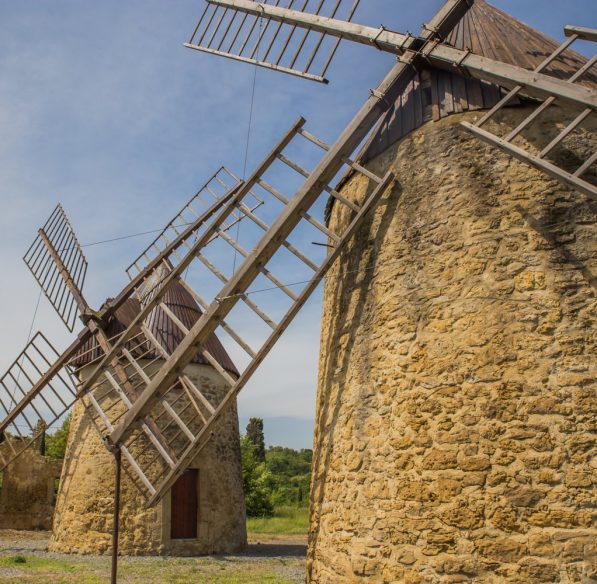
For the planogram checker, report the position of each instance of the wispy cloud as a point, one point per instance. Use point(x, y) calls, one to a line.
point(103, 109)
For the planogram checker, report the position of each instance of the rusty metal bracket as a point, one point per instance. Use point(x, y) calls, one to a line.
point(407, 40)
point(458, 64)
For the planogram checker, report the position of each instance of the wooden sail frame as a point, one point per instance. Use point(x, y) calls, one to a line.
point(58, 263)
point(282, 47)
point(535, 84)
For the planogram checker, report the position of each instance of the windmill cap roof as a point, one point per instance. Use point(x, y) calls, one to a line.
point(493, 33)
point(162, 327)
point(485, 31)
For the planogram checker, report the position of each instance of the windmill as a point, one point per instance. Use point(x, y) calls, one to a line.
point(135, 413)
point(39, 385)
point(167, 440)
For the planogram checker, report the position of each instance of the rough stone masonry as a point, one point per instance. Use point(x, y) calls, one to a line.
point(83, 519)
point(456, 405)
point(28, 491)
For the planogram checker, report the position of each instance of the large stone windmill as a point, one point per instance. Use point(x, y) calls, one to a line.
point(454, 404)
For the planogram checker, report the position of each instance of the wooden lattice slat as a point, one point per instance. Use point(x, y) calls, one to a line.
point(259, 40)
point(57, 262)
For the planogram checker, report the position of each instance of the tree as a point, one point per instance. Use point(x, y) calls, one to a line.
point(40, 441)
point(56, 443)
point(291, 475)
point(256, 480)
point(256, 437)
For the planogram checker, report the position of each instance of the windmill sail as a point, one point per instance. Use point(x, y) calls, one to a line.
point(257, 39)
point(219, 184)
point(57, 262)
point(36, 391)
point(574, 128)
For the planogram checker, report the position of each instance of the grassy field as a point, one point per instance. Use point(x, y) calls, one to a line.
point(286, 520)
point(275, 560)
point(276, 555)
point(91, 570)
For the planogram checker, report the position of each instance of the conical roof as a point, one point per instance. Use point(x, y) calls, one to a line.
point(493, 33)
point(434, 94)
point(183, 306)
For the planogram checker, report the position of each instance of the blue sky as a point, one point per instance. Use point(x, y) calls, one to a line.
point(104, 110)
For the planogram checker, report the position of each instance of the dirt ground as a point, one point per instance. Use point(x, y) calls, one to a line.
point(269, 559)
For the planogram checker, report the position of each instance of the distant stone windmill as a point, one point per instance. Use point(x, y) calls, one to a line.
point(456, 330)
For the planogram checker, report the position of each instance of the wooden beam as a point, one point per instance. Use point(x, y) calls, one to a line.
point(384, 39)
point(150, 428)
point(65, 274)
point(543, 165)
point(535, 84)
point(264, 64)
point(565, 132)
point(235, 336)
point(359, 127)
point(582, 32)
point(516, 90)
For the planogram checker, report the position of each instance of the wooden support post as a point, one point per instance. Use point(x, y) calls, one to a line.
point(115, 528)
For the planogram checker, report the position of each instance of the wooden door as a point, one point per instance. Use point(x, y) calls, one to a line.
point(184, 506)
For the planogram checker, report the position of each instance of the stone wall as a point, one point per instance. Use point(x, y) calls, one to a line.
point(456, 402)
point(83, 519)
point(28, 492)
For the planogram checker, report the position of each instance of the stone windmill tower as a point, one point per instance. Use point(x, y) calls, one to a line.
point(457, 365)
point(457, 368)
point(204, 512)
point(456, 380)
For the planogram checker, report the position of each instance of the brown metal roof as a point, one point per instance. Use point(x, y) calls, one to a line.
point(182, 304)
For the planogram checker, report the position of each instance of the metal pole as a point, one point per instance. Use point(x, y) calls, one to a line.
point(117, 460)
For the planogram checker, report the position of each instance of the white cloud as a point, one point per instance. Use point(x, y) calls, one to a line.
point(103, 109)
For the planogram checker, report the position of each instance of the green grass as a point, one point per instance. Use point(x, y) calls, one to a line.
point(38, 570)
point(37, 563)
point(286, 521)
point(45, 568)
point(89, 570)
